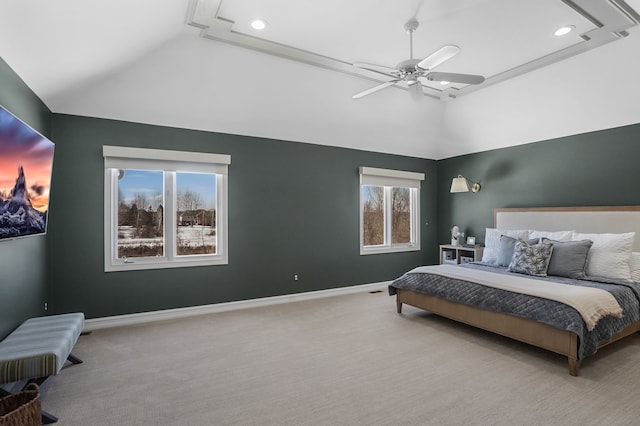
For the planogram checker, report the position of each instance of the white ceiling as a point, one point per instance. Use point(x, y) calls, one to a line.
point(491, 33)
point(198, 64)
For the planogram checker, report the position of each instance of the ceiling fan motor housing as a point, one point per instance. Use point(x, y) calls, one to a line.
point(408, 66)
point(411, 25)
point(410, 70)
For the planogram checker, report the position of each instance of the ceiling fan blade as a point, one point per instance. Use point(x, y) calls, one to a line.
point(455, 78)
point(374, 89)
point(439, 56)
point(388, 71)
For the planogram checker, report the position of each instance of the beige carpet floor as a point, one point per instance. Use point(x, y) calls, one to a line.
point(347, 360)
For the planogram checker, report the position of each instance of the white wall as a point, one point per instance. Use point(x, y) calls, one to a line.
point(251, 93)
point(179, 79)
point(593, 91)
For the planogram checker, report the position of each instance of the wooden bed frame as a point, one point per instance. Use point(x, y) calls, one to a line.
point(529, 331)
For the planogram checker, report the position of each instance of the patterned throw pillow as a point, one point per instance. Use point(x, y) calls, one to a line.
point(531, 259)
point(507, 246)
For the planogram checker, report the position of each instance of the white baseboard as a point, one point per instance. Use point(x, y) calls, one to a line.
point(147, 317)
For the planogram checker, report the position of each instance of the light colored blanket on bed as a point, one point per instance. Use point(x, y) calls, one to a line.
point(591, 303)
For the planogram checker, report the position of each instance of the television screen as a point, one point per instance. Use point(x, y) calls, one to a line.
point(26, 161)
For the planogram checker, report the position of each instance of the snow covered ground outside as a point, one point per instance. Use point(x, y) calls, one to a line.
point(191, 236)
point(196, 235)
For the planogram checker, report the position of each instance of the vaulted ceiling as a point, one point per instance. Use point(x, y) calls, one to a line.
point(199, 64)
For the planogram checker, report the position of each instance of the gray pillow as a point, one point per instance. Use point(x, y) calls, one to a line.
point(569, 259)
point(531, 259)
point(505, 249)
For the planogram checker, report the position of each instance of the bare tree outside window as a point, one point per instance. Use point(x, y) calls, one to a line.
point(401, 215)
point(140, 199)
point(189, 200)
point(373, 215)
point(390, 210)
point(196, 231)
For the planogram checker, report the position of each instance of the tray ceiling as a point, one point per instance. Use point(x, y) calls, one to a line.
point(499, 39)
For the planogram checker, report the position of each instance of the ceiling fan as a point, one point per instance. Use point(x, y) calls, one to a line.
point(410, 70)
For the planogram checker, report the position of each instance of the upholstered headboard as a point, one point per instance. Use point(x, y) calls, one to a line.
point(615, 219)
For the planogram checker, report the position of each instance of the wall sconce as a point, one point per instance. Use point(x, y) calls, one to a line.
point(462, 184)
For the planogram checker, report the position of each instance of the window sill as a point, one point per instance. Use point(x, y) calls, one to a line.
point(141, 264)
point(386, 249)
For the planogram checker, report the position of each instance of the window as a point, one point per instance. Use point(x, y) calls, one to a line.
point(164, 209)
point(389, 210)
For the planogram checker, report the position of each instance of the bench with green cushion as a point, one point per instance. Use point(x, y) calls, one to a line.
point(39, 348)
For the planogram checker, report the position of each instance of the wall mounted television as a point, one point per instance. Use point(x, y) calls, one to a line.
point(26, 163)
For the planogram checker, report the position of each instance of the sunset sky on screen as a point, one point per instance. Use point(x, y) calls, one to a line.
point(20, 145)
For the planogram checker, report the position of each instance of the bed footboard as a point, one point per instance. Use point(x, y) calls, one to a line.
point(528, 331)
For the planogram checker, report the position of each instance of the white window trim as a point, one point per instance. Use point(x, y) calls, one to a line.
point(392, 178)
point(169, 161)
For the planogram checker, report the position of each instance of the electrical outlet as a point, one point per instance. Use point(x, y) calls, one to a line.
point(46, 306)
point(295, 277)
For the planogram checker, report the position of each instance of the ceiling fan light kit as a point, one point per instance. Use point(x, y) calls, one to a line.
point(411, 70)
point(415, 89)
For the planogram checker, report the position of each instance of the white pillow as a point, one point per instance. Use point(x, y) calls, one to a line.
point(562, 236)
point(610, 254)
point(492, 242)
point(635, 266)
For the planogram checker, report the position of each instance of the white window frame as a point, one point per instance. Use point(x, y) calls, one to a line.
point(388, 179)
point(170, 162)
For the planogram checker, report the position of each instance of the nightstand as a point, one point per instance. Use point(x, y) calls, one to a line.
point(460, 254)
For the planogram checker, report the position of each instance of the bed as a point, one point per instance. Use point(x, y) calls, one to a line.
point(502, 301)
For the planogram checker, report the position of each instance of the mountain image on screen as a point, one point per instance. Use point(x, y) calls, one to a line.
point(18, 217)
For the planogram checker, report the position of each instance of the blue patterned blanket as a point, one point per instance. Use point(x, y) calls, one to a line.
point(539, 309)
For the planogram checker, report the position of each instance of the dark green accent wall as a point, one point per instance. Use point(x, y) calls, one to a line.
point(591, 169)
point(23, 282)
point(293, 209)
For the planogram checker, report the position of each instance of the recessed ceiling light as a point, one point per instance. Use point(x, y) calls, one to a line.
point(444, 82)
point(564, 30)
point(258, 24)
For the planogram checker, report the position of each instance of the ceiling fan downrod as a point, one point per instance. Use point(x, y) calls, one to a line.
point(410, 26)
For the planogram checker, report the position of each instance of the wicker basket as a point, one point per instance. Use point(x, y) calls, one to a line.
point(21, 408)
